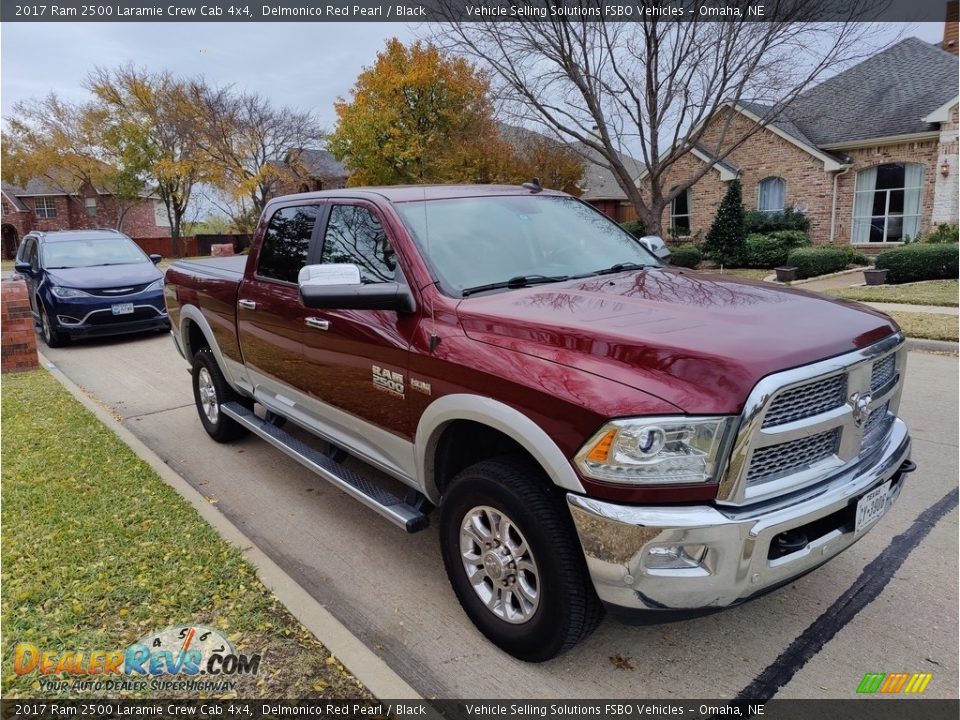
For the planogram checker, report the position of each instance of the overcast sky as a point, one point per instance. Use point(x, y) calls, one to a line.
point(306, 65)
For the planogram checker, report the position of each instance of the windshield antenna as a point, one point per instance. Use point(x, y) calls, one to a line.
point(533, 186)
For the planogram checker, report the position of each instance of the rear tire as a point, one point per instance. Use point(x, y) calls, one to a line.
point(51, 336)
point(514, 560)
point(210, 391)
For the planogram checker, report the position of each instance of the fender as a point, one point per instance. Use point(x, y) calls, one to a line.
point(233, 372)
point(499, 416)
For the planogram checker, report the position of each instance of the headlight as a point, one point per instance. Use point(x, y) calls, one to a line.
point(656, 450)
point(62, 292)
point(155, 285)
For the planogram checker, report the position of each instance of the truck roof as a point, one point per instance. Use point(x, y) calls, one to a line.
point(416, 193)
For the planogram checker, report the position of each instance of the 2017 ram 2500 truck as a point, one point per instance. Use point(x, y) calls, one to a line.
point(594, 427)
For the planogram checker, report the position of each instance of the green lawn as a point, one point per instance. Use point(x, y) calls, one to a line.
point(931, 292)
point(749, 273)
point(98, 552)
point(929, 326)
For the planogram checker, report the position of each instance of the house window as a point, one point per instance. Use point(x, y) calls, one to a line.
point(886, 207)
point(45, 207)
point(772, 196)
point(4, 207)
point(680, 214)
point(90, 206)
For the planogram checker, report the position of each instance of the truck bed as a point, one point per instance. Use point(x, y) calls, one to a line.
point(229, 268)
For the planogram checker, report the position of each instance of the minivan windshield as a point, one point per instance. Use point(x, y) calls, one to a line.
point(487, 243)
point(91, 252)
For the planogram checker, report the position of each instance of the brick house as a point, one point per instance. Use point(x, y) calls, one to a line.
point(306, 170)
point(869, 155)
point(39, 206)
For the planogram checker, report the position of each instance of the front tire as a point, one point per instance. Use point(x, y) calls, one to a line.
point(51, 336)
point(514, 561)
point(210, 391)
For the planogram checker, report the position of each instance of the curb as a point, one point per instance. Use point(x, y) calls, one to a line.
point(362, 662)
point(937, 346)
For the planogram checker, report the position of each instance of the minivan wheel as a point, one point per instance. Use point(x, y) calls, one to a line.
point(51, 336)
point(514, 561)
point(210, 391)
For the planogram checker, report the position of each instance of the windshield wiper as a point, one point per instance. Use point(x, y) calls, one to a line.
point(519, 281)
point(619, 267)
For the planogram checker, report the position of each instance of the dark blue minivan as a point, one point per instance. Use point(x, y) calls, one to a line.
point(88, 283)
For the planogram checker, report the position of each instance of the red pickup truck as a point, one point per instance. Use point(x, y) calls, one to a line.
point(595, 429)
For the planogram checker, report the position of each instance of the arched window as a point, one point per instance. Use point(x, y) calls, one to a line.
point(772, 196)
point(887, 206)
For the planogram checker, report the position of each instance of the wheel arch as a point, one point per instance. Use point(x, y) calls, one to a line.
point(194, 333)
point(453, 413)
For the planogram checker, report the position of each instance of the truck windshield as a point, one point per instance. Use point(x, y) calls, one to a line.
point(492, 243)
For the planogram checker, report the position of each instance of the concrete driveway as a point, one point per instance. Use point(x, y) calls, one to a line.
point(869, 610)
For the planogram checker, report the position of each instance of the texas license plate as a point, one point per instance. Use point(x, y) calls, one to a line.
point(122, 308)
point(871, 507)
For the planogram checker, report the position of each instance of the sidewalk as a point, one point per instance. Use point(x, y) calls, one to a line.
point(904, 307)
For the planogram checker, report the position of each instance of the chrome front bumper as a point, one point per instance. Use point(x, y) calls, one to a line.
point(738, 563)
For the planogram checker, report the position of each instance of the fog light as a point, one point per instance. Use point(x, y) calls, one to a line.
point(675, 557)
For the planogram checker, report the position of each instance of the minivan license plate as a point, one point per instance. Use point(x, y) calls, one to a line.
point(871, 507)
point(123, 309)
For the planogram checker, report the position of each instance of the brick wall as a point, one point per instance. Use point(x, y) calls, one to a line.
point(945, 208)
point(18, 341)
point(809, 186)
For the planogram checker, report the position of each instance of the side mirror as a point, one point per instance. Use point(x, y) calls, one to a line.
point(154, 258)
point(656, 245)
point(24, 268)
point(338, 287)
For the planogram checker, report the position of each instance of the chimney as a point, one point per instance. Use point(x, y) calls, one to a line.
point(950, 28)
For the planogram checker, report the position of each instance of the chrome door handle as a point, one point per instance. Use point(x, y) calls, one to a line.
point(248, 304)
point(317, 323)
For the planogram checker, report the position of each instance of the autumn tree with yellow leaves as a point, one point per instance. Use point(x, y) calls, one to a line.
point(419, 115)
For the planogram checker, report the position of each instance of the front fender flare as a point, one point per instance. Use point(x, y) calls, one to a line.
point(494, 414)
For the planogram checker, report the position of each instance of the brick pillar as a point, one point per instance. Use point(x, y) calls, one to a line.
point(18, 341)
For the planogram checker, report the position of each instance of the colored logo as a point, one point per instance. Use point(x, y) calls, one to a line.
point(893, 683)
point(182, 650)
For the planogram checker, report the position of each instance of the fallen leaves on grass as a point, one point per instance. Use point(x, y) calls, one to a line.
point(98, 552)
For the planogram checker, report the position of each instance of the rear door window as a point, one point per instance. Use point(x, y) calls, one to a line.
point(286, 242)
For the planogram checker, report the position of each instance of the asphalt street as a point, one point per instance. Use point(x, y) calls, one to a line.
point(886, 605)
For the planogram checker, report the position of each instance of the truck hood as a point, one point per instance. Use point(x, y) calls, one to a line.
point(700, 342)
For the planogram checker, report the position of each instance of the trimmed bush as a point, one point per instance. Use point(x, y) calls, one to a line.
point(764, 251)
point(791, 238)
point(756, 221)
point(814, 261)
point(688, 256)
point(854, 257)
point(913, 263)
point(634, 227)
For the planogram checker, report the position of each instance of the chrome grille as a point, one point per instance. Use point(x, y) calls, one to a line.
point(807, 400)
point(118, 291)
point(883, 372)
point(877, 424)
point(775, 461)
point(802, 426)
